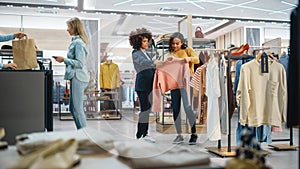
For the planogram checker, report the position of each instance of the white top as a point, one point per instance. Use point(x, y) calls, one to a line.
point(213, 93)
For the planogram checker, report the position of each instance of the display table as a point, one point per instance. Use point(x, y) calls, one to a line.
point(93, 161)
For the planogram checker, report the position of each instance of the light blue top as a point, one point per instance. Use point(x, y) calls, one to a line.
point(4, 38)
point(76, 61)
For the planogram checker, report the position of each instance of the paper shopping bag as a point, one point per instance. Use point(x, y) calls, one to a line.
point(24, 53)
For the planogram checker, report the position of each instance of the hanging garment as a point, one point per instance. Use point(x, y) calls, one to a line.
point(223, 100)
point(284, 60)
point(213, 94)
point(198, 82)
point(262, 97)
point(263, 133)
point(173, 74)
point(109, 76)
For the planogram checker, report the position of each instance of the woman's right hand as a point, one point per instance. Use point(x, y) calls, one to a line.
point(170, 58)
point(59, 59)
point(19, 35)
point(158, 62)
point(10, 65)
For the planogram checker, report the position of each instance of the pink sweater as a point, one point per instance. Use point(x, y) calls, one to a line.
point(173, 74)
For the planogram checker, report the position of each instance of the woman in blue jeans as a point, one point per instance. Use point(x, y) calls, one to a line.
point(77, 69)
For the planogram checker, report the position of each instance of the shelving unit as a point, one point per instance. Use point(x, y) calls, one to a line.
point(128, 78)
point(91, 105)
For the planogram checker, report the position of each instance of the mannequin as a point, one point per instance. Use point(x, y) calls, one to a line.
point(109, 78)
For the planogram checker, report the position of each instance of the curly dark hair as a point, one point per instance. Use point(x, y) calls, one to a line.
point(179, 36)
point(136, 37)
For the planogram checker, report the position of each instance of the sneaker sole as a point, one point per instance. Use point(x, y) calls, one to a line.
point(178, 142)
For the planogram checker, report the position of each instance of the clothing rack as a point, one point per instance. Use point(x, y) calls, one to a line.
point(278, 146)
point(225, 152)
point(284, 146)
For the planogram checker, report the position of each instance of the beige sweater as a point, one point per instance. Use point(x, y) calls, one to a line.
point(262, 97)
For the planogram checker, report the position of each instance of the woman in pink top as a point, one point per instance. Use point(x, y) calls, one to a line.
point(179, 49)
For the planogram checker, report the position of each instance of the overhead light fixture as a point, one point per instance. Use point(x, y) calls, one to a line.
point(284, 2)
point(196, 5)
point(237, 5)
point(122, 2)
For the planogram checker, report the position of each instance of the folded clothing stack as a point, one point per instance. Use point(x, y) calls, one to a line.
point(88, 140)
point(144, 155)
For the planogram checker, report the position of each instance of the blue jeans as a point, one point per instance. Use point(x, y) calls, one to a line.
point(76, 102)
point(262, 133)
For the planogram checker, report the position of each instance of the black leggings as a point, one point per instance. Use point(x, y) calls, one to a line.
point(145, 109)
point(176, 102)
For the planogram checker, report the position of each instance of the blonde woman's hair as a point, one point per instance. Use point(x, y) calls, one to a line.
point(78, 28)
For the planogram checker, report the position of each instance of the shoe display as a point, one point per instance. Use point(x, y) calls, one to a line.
point(149, 139)
point(193, 139)
point(178, 140)
point(242, 50)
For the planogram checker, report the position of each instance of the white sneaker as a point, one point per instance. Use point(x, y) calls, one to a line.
point(149, 139)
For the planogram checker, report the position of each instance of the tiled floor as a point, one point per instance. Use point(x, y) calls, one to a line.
point(124, 130)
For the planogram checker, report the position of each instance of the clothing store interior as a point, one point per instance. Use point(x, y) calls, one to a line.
point(172, 84)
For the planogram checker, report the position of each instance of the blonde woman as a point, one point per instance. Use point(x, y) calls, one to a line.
point(76, 69)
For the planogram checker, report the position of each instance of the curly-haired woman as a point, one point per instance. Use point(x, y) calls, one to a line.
point(145, 68)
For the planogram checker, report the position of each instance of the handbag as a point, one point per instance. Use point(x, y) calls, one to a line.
point(24, 53)
point(198, 32)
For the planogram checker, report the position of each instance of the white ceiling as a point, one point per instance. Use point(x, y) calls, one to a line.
point(248, 9)
point(119, 17)
point(208, 14)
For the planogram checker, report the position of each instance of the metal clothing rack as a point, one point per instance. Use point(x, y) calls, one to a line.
point(219, 150)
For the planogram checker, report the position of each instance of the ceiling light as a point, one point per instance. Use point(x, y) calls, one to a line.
point(122, 2)
point(289, 3)
point(238, 5)
point(196, 5)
